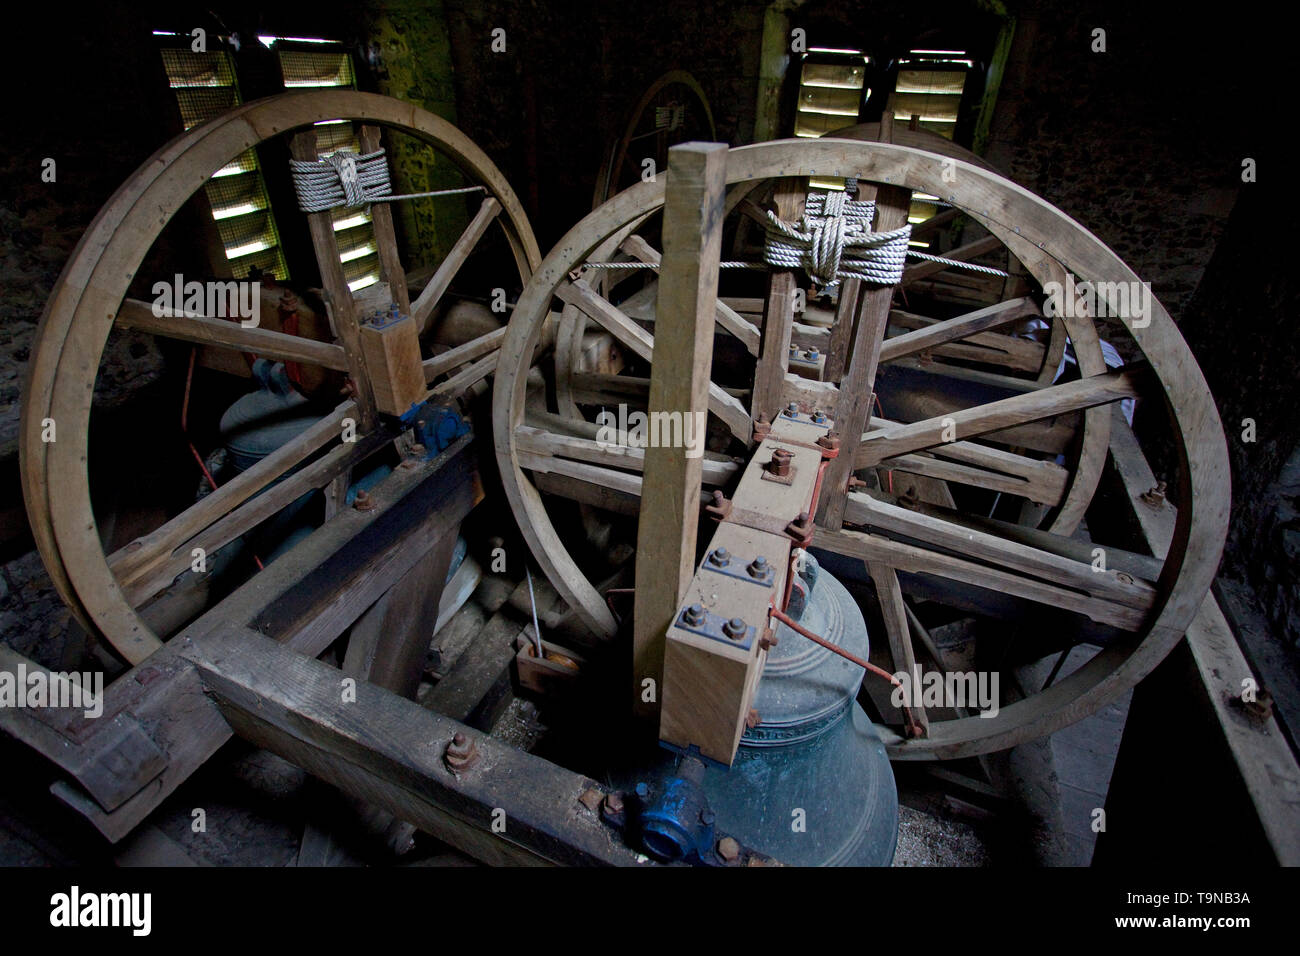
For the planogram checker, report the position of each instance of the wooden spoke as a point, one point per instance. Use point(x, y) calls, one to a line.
point(228, 333)
point(454, 358)
point(728, 318)
point(424, 304)
point(885, 443)
point(581, 295)
point(899, 634)
point(612, 454)
point(917, 560)
point(1100, 582)
point(929, 336)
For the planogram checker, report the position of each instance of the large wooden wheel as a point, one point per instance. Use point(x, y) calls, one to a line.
point(1143, 612)
point(672, 110)
point(105, 591)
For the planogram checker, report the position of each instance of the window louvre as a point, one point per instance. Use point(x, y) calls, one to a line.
point(205, 87)
point(353, 228)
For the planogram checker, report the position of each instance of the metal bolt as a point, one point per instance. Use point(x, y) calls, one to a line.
point(612, 805)
point(719, 557)
point(780, 463)
point(792, 410)
point(813, 354)
point(759, 567)
point(590, 798)
point(728, 850)
point(694, 615)
point(819, 416)
point(794, 351)
point(642, 791)
point(735, 628)
point(363, 501)
point(460, 754)
point(707, 817)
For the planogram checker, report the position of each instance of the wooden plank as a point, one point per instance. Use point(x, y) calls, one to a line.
point(477, 688)
point(680, 385)
point(612, 454)
point(857, 389)
point(381, 219)
point(911, 559)
point(885, 443)
point(389, 751)
point(338, 297)
point(145, 552)
point(425, 303)
point(894, 612)
point(950, 330)
point(454, 358)
point(778, 312)
point(229, 334)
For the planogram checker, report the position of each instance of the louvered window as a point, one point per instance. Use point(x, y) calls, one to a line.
point(205, 87)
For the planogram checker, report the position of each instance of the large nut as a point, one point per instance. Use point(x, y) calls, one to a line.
point(461, 754)
point(728, 850)
point(735, 628)
point(694, 615)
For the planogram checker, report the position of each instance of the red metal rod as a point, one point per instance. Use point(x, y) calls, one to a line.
point(799, 629)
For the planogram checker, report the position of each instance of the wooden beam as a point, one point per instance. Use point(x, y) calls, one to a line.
point(778, 313)
point(229, 334)
point(424, 304)
point(857, 389)
point(339, 300)
point(950, 330)
point(381, 219)
point(679, 385)
point(877, 446)
point(388, 751)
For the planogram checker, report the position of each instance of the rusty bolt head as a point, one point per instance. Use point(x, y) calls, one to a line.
point(728, 850)
point(735, 628)
point(461, 754)
point(363, 501)
point(591, 799)
point(719, 557)
point(780, 463)
point(694, 615)
point(612, 805)
point(759, 567)
point(752, 718)
point(830, 442)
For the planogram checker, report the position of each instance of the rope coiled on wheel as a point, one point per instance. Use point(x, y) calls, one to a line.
point(348, 179)
point(833, 241)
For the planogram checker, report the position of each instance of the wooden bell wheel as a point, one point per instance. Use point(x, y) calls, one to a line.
point(1142, 609)
point(105, 591)
point(672, 110)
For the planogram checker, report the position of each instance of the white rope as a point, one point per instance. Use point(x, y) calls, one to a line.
point(833, 241)
point(349, 179)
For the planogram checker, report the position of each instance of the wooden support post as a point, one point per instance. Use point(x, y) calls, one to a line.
point(679, 386)
point(853, 410)
point(342, 307)
point(381, 218)
point(778, 314)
